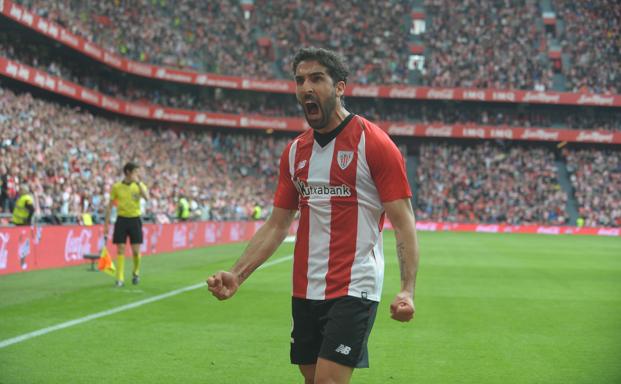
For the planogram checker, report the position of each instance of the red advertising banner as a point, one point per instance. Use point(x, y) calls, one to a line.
point(475, 131)
point(29, 248)
point(507, 228)
point(66, 88)
point(54, 31)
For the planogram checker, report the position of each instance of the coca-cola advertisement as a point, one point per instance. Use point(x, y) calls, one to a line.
point(78, 244)
point(30, 248)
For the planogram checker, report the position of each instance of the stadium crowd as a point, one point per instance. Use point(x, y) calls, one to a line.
point(207, 36)
point(488, 183)
point(70, 169)
point(596, 179)
point(591, 39)
point(468, 43)
point(371, 34)
point(52, 148)
point(584, 118)
point(278, 105)
point(220, 37)
point(484, 44)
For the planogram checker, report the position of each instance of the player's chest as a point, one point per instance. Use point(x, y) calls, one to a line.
point(129, 193)
point(328, 172)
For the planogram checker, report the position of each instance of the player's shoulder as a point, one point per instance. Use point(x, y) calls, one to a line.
point(302, 138)
point(306, 136)
point(372, 131)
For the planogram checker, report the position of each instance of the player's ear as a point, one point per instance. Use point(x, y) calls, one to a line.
point(340, 88)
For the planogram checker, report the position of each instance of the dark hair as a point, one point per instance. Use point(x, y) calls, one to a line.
point(129, 167)
point(329, 59)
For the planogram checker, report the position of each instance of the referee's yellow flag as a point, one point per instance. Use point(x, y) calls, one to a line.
point(105, 263)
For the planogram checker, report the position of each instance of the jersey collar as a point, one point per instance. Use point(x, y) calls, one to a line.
point(324, 138)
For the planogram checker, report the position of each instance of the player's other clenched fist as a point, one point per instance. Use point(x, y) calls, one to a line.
point(223, 285)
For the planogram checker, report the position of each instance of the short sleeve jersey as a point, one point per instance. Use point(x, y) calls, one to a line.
point(127, 197)
point(340, 190)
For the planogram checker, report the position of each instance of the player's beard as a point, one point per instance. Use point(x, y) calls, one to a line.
point(326, 108)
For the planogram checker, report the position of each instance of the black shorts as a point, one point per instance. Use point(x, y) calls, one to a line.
point(127, 227)
point(336, 330)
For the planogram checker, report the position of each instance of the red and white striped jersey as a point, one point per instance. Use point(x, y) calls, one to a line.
point(339, 190)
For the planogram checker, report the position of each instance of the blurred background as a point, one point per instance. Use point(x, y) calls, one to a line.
point(506, 111)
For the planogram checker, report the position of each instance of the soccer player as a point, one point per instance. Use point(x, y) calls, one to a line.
point(343, 175)
point(126, 194)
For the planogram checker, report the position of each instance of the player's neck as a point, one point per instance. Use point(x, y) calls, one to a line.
point(324, 139)
point(338, 116)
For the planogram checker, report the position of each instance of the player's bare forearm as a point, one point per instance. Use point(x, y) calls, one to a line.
point(403, 221)
point(264, 243)
point(407, 254)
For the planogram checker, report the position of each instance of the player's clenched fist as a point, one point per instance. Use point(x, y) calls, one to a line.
point(223, 285)
point(402, 308)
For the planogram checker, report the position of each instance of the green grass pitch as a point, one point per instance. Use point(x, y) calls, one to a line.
point(491, 308)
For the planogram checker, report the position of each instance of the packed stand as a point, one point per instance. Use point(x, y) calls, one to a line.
point(46, 58)
point(468, 43)
point(219, 37)
point(371, 34)
point(279, 105)
point(490, 114)
point(485, 44)
point(70, 159)
point(596, 179)
point(591, 39)
point(488, 183)
point(209, 36)
point(70, 170)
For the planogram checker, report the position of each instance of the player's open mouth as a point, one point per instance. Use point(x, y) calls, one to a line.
point(312, 109)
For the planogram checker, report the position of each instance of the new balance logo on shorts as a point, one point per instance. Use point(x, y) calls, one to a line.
point(343, 349)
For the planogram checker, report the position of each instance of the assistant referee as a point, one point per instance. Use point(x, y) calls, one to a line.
point(126, 195)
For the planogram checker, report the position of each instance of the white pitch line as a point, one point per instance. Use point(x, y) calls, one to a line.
point(81, 320)
point(274, 262)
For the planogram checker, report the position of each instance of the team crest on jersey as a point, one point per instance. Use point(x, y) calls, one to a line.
point(301, 164)
point(344, 158)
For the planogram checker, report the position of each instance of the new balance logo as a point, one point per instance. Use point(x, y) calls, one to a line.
point(344, 349)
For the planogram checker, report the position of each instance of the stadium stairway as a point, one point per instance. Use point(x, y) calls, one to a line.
point(558, 82)
point(571, 207)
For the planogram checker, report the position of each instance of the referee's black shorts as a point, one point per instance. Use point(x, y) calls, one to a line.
point(127, 227)
point(336, 330)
